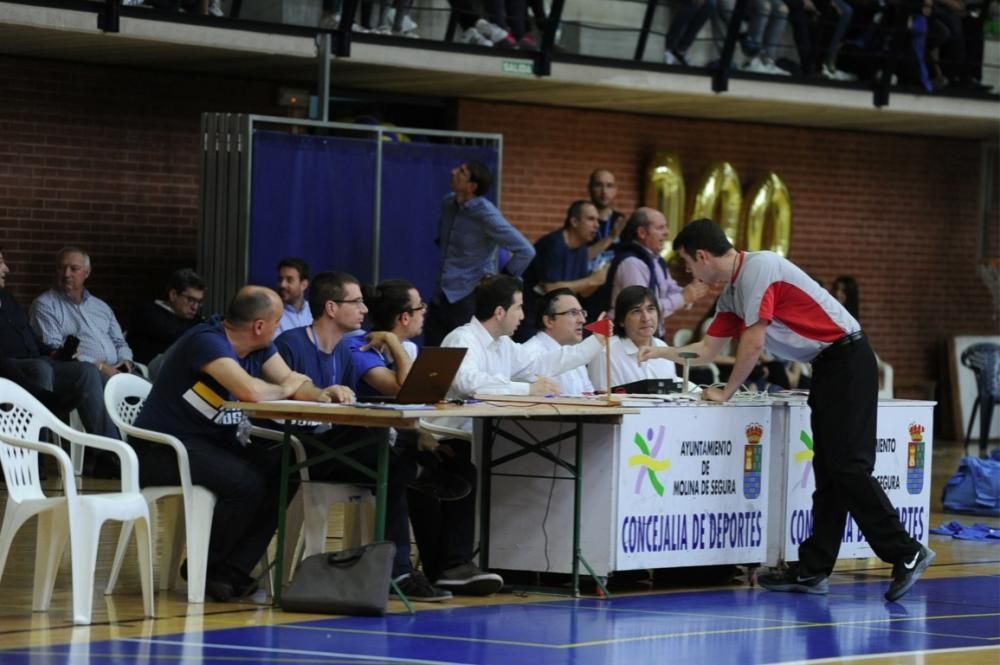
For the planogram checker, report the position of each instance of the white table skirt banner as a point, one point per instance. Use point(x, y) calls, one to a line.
point(692, 486)
point(902, 467)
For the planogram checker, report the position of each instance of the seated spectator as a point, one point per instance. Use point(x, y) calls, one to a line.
point(321, 351)
point(70, 310)
point(225, 359)
point(476, 29)
point(637, 314)
point(561, 262)
point(560, 323)
point(158, 324)
point(293, 280)
point(60, 384)
point(686, 21)
point(766, 29)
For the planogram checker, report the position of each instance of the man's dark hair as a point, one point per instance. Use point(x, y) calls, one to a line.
point(702, 234)
point(183, 279)
point(295, 263)
point(639, 219)
point(629, 297)
point(328, 286)
point(575, 211)
point(851, 296)
point(249, 305)
point(481, 176)
point(387, 302)
point(547, 305)
point(495, 291)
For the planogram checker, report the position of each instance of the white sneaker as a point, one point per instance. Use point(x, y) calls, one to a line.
point(473, 36)
point(670, 59)
point(834, 74)
point(409, 25)
point(775, 70)
point(755, 65)
point(215, 8)
point(491, 31)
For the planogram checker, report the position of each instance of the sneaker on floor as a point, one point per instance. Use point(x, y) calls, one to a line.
point(418, 588)
point(775, 70)
point(756, 66)
point(467, 580)
point(215, 8)
point(834, 74)
point(473, 36)
point(506, 42)
point(527, 43)
point(794, 579)
point(906, 572)
point(670, 59)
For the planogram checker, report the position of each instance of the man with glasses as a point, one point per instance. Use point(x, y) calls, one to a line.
point(560, 323)
point(562, 260)
point(471, 232)
point(158, 324)
point(322, 352)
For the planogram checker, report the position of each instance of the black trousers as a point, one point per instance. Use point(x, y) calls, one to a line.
point(445, 316)
point(844, 403)
point(445, 530)
point(245, 481)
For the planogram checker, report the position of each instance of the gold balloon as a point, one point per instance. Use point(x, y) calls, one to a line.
point(665, 192)
point(720, 198)
point(767, 220)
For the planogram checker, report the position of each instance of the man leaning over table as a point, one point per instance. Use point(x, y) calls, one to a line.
point(225, 359)
point(321, 351)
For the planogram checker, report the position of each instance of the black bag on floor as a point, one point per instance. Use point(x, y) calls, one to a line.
point(349, 582)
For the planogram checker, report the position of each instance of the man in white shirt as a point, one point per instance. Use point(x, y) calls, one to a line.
point(493, 364)
point(560, 323)
point(293, 280)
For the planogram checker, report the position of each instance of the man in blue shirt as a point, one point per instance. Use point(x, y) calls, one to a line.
point(470, 233)
point(562, 262)
point(220, 360)
point(293, 280)
point(321, 352)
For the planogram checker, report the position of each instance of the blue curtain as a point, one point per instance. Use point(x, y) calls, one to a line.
point(415, 179)
point(313, 197)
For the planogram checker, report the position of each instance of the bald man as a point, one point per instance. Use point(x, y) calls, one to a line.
point(223, 359)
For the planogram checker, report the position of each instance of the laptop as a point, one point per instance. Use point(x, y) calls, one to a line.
point(429, 379)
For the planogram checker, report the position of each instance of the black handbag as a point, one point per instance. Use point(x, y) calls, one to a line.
point(349, 582)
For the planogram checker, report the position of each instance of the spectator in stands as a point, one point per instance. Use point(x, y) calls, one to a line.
point(70, 310)
point(603, 190)
point(317, 351)
point(225, 359)
point(685, 23)
point(512, 16)
point(158, 324)
point(560, 323)
point(637, 315)
point(62, 383)
point(800, 13)
point(493, 364)
point(561, 263)
point(470, 233)
point(765, 29)
point(836, 13)
point(845, 290)
point(476, 29)
point(638, 262)
point(293, 280)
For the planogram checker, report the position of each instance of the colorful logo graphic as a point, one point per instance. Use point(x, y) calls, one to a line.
point(650, 466)
point(805, 456)
point(915, 459)
point(753, 453)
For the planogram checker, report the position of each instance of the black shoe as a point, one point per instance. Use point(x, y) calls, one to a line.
point(416, 587)
point(906, 572)
point(796, 579)
point(466, 579)
point(219, 588)
point(441, 485)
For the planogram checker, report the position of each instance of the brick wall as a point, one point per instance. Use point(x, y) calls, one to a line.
point(896, 212)
point(105, 158)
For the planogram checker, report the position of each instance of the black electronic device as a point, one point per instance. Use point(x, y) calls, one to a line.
point(649, 387)
point(429, 379)
point(68, 350)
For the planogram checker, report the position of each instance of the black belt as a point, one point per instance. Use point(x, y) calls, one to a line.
point(846, 340)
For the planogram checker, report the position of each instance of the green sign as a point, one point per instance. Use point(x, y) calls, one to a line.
point(521, 67)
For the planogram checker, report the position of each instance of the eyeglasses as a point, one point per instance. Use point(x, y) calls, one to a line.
point(419, 307)
point(572, 312)
point(191, 300)
point(352, 301)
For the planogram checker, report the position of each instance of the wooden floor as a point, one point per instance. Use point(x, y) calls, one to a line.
point(119, 617)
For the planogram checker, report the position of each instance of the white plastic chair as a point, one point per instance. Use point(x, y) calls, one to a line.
point(682, 337)
point(885, 390)
point(123, 398)
point(79, 517)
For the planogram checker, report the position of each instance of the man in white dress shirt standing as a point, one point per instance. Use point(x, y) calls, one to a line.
point(560, 323)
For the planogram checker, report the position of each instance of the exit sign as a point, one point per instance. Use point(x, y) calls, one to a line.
point(520, 67)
